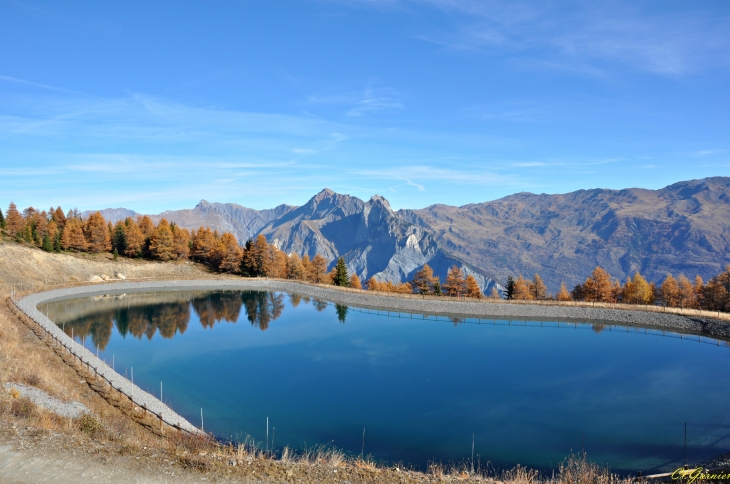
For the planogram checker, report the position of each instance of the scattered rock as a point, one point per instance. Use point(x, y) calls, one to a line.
point(105, 277)
point(95, 279)
point(119, 275)
point(42, 399)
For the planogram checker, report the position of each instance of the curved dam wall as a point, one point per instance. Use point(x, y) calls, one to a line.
point(670, 321)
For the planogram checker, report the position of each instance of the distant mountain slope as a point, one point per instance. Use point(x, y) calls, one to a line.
point(113, 215)
point(242, 222)
point(683, 228)
point(373, 239)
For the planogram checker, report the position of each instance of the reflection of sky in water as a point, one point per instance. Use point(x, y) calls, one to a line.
point(528, 391)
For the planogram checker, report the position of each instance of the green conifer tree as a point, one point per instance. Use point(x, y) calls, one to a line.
point(47, 244)
point(27, 234)
point(119, 238)
point(2, 220)
point(115, 255)
point(341, 278)
point(437, 289)
point(57, 242)
point(510, 287)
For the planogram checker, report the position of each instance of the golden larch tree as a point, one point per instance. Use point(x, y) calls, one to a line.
point(355, 282)
point(598, 286)
point(135, 238)
point(146, 226)
point(97, 234)
point(637, 290)
point(318, 270)
point(277, 263)
point(472, 287)
point(306, 264)
point(294, 267)
point(181, 238)
point(13, 220)
point(669, 291)
point(52, 230)
point(455, 284)
point(522, 289)
point(39, 221)
point(687, 298)
point(699, 285)
point(563, 293)
point(373, 284)
point(257, 257)
point(404, 288)
point(204, 244)
point(230, 253)
point(424, 280)
point(72, 237)
point(538, 289)
point(162, 242)
point(58, 217)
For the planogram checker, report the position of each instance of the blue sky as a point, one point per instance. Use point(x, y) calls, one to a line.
point(156, 105)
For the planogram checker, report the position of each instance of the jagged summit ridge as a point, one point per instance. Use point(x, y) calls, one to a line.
point(682, 228)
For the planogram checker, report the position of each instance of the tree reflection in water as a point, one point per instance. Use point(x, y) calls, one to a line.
point(171, 318)
point(341, 312)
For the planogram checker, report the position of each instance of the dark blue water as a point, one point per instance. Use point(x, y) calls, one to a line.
point(529, 392)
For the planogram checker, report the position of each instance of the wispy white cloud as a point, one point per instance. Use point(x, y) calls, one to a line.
point(412, 175)
point(370, 99)
point(702, 153)
point(15, 80)
point(584, 38)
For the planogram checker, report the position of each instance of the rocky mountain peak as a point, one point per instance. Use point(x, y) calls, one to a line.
point(325, 193)
point(379, 200)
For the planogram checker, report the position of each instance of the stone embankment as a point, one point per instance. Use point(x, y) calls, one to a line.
point(413, 304)
point(145, 402)
point(670, 319)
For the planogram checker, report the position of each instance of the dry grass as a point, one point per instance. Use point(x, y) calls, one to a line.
point(25, 359)
point(577, 470)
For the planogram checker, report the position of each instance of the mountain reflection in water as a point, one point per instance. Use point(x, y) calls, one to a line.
point(171, 317)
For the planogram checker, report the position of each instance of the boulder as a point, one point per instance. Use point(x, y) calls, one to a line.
point(119, 275)
point(95, 279)
point(105, 277)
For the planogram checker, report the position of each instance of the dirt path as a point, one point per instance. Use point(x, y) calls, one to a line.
point(29, 456)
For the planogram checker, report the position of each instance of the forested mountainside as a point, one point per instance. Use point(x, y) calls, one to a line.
point(683, 228)
point(373, 239)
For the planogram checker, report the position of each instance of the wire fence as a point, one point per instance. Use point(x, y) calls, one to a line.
point(74, 349)
point(588, 326)
point(188, 273)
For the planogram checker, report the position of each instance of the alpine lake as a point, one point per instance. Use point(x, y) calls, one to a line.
point(415, 388)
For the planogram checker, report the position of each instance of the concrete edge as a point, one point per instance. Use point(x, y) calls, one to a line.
point(663, 321)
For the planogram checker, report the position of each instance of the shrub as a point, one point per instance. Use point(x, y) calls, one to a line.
point(91, 425)
point(23, 407)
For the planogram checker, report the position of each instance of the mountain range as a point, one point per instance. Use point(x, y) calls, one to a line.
point(682, 228)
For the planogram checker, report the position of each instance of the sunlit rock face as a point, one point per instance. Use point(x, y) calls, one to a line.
point(373, 239)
